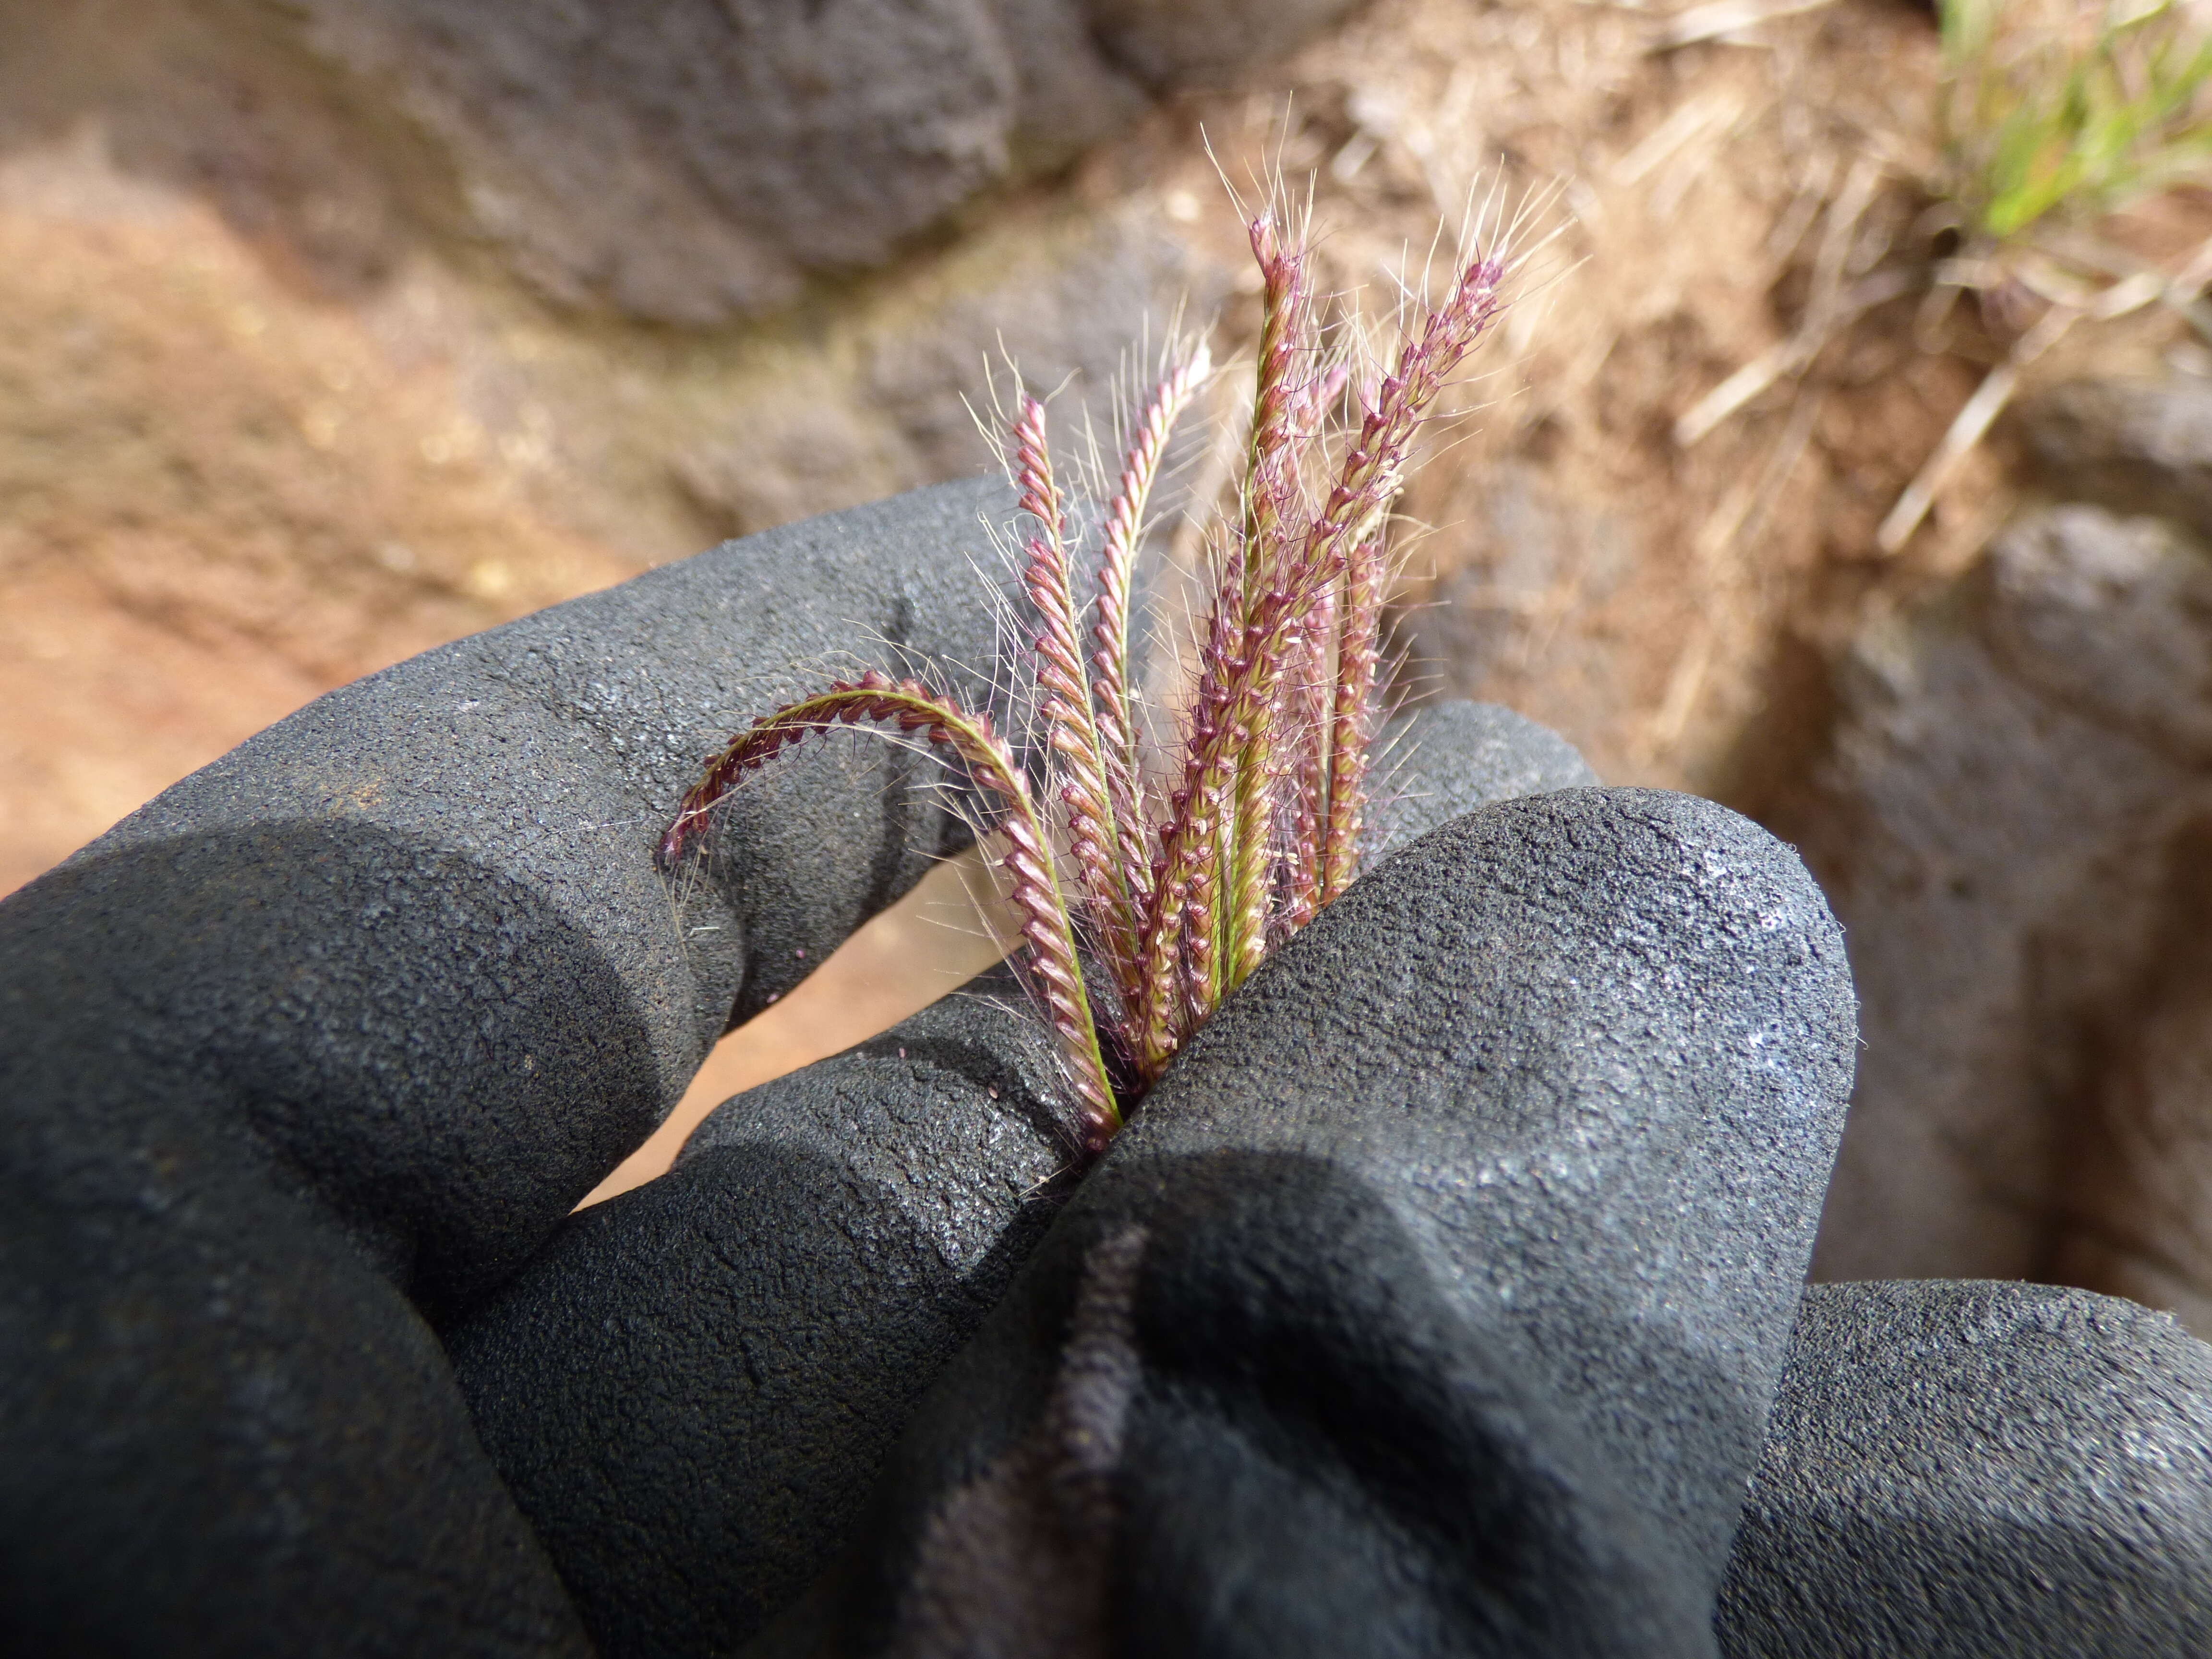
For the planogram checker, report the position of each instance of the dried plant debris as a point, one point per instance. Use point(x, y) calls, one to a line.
point(1150, 886)
point(2050, 115)
point(2054, 112)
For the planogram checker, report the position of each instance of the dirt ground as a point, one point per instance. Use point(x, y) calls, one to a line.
point(228, 483)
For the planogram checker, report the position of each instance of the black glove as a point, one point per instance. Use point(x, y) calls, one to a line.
point(1955, 1470)
point(691, 1387)
point(1433, 1303)
point(318, 1051)
point(322, 1045)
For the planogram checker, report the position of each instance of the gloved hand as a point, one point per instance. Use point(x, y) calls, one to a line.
point(1434, 1302)
point(318, 1048)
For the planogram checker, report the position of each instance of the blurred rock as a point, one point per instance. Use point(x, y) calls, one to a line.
point(2136, 447)
point(1162, 42)
point(786, 458)
point(2011, 821)
point(1506, 621)
point(893, 401)
point(688, 161)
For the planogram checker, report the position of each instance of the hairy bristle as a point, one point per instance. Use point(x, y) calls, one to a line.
point(1281, 395)
point(1349, 732)
point(1117, 562)
point(1374, 465)
point(1307, 776)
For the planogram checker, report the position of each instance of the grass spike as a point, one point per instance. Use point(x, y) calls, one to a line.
point(1048, 926)
point(1072, 727)
point(1116, 714)
point(1264, 815)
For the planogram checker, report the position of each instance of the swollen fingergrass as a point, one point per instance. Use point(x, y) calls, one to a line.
point(1178, 879)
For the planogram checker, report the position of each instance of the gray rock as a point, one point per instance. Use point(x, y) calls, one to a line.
point(341, 1027)
point(2105, 616)
point(690, 162)
point(1534, 551)
point(1071, 307)
point(2008, 824)
point(2134, 446)
point(1160, 42)
point(1958, 1470)
point(1435, 1299)
point(875, 396)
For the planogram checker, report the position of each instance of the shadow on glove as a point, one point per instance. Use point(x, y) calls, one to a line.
point(1435, 1300)
point(692, 1387)
point(214, 1234)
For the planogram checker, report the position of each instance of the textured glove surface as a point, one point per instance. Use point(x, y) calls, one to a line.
point(692, 1388)
point(1435, 1300)
point(1961, 1468)
point(340, 1028)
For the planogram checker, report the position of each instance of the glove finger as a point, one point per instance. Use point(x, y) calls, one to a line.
point(717, 1361)
point(1956, 1469)
point(1435, 1300)
point(413, 935)
point(356, 1015)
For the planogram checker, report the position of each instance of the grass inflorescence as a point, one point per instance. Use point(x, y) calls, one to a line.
point(1147, 893)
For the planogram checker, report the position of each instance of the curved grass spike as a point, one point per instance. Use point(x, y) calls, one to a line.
point(1046, 927)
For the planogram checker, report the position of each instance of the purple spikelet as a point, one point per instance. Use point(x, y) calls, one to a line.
point(1072, 731)
point(1263, 822)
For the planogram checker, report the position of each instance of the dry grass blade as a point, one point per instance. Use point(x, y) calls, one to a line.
point(1721, 20)
point(2054, 113)
point(1829, 310)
